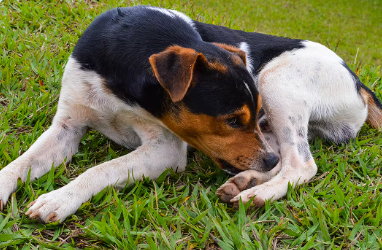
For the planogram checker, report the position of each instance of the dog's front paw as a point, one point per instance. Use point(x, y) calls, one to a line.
point(54, 206)
point(235, 185)
point(272, 190)
point(258, 192)
point(8, 185)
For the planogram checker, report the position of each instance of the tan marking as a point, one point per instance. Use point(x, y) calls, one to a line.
point(241, 56)
point(374, 114)
point(259, 103)
point(214, 137)
point(237, 60)
point(257, 128)
point(243, 114)
point(216, 65)
point(105, 88)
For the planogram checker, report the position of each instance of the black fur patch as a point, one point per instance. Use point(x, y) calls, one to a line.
point(357, 82)
point(304, 151)
point(217, 94)
point(118, 43)
point(359, 85)
point(337, 133)
point(301, 132)
point(263, 48)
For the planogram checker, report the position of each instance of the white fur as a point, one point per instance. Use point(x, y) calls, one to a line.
point(184, 17)
point(173, 14)
point(244, 47)
point(164, 11)
point(250, 92)
point(301, 87)
point(83, 103)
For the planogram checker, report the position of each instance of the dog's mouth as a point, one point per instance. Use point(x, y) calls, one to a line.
point(228, 167)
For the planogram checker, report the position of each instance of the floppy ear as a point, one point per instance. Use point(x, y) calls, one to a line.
point(235, 50)
point(174, 69)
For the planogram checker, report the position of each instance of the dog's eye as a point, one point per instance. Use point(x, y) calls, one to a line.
point(233, 122)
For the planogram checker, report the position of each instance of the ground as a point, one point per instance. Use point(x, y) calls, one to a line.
point(340, 208)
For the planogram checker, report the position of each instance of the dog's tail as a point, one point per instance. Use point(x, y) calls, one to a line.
point(374, 117)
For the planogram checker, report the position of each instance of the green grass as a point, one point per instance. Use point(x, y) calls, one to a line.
point(341, 208)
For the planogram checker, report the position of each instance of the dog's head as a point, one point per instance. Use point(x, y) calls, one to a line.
point(213, 105)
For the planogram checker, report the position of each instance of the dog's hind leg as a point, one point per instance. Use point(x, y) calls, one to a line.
point(53, 147)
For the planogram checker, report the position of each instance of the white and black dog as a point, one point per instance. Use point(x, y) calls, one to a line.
point(153, 79)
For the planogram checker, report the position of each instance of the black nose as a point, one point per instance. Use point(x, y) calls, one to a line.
point(271, 160)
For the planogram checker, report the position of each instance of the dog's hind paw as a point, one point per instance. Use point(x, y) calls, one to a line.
point(235, 185)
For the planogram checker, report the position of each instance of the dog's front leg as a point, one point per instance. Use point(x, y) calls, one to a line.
point(288, 114)
point(55, 146)
point(150, 160)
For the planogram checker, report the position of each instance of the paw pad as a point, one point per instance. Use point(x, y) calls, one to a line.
point(234, 186)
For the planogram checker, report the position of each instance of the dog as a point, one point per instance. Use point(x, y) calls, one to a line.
point(154, 80)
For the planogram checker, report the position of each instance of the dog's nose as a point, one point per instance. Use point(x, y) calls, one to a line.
point(271, 160)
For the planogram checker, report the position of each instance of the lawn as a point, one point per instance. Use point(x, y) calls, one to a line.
point(341, 208)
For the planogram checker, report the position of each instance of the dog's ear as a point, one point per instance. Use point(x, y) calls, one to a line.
point(174, 69)
point(235, 50)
